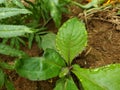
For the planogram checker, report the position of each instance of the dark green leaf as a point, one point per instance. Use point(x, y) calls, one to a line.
point(40, 68)
point(17, 44)
point(2, 80)
point(7, 31)
point(9, 85)
point(48, 41)
point(65, 84)
point(71, 39)
point(30, 40)
point(7, 50)
point(4, 40)
point(38, 40)
point(12, 42)
point(103, 78)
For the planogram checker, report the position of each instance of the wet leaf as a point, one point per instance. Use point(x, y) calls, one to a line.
point(103, 78)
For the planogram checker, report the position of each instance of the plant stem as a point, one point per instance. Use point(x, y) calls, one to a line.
point(87, 6)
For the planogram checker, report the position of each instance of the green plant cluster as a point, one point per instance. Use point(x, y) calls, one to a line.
point(59, 50)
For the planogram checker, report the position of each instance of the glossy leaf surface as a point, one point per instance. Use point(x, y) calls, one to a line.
point(71, 39)
point(103, 78)
point(7, 31)
point(65, 84)
point(40, 68)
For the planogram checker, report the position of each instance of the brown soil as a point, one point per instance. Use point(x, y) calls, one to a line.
point(103, 48)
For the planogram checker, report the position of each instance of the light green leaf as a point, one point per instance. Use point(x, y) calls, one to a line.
point(1, 78)
point(8, 12)
point(7, 50)
point(65, 84)
point(71, 39)
point(64, 72)
point(7, 31)
point(103, 78)
point(48, 41)
point(40, 68)
point(55, 12)
point(18, 3)
point(2, 1)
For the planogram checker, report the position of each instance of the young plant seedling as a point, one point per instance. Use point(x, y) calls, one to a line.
point(71, 40)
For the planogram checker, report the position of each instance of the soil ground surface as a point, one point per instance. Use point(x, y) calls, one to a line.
point(103, 46)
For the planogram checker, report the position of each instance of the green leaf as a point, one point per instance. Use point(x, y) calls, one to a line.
point(40, 68)
point(5, 65)
point(71, 39)
point(9, 85)
point(1, 78)
point(48, 41)
point(16, 41)
point(118, 12)
point(38, 40)
point(8, 12)
point(51, 55)
point(55, 12)
point(103, 78)
point(2, 1)
point(18, 3)
point(65, 84)
point(30, 40)
point(4, 40)
point(7, 31)
point(7, 50)
point(64, 72)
